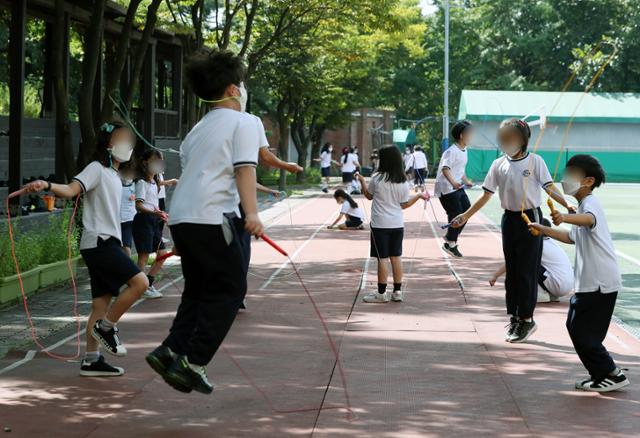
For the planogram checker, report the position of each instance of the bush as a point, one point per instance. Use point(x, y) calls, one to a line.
point(54, 239)
point(37, 248)
point(28, 250)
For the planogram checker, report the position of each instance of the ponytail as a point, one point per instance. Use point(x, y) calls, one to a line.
point(344, 195)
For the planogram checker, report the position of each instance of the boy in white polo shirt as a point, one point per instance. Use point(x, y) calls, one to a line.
point(218, 157)
point(597, 277)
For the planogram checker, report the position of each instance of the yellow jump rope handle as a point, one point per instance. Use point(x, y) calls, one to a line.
point(551, 205)
point(528, 221)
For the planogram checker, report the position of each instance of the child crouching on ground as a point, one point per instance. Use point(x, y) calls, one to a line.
point(350, 210)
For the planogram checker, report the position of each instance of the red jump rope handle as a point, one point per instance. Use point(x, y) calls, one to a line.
point(274, 245)
point(164, 256)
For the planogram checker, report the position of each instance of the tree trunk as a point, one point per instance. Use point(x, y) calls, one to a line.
point(141, 52)
point(92, 51)
point(63, 127)
point(316, 142)
point(283, 141)
point(114, 73)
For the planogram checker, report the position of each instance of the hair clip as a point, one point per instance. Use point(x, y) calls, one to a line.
point(107, 127)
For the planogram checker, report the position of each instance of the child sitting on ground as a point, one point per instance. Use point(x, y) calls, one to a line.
point(350, 210)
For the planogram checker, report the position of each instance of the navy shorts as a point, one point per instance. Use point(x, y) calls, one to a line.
point(347, 177)
point(127, 234)
point(421, 175)
point(353, 221)
point(325, 171)
point(386, 242)
point(147, 233)
point(109, 267)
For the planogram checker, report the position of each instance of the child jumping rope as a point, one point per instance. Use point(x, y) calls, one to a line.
point(597, 276)
point(450, 182)
point(325, 165)
point(147, 233)
point(512, 173)
point(348, 209)
point(218, 156)
point(100, 246)
point(390, 193)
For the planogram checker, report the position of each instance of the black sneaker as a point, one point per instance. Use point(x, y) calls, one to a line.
point(181, 376)
point(523, 331)
point(99, 368)
point(511, 328)
point(108, 339)
point(607, 384)
point(160, 360)
point(453, 250)
point(325, 190)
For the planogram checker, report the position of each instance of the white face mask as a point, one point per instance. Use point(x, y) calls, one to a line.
point(122, 152)
point(244, 96)
point(570, 186)
point(510, 150)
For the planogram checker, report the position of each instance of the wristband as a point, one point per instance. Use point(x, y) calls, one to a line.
point(48, 186)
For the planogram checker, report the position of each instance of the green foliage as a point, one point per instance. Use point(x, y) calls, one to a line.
point(37, 247)
point(28, 250)
point(55, 244)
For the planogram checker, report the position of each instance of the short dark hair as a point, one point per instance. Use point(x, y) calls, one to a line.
point(210, 72)
point(589, 165)
point(458, 128)
point(103, 139)
point(521, 127)
point(391, 165)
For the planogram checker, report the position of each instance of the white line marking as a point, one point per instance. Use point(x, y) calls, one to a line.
point(445, 256)
point(295, 254)
point(32, 353)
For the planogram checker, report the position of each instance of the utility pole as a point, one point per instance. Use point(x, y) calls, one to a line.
point(445, 117)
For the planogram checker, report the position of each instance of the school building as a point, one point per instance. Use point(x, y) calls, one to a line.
point(606, 125)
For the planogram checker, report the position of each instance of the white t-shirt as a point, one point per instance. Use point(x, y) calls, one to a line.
point(220, 142)
point(386, 209)
point(510, 175)
point(596, 260)
point(559, 270)
point(419, 160)
point(163, 193)
point(101, 208)
point(349, 163)
point(263, 142)
point(128, 203)
point(325, 159)
point(147, 192)
point(348, 210)
point(408, 161)
point(454, 159)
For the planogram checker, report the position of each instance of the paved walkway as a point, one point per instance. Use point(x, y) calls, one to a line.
point(435, 365)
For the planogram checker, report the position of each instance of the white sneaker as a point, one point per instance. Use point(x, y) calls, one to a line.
point(397, 296)
point(152, 293)
point(554, 299)
point(543, 296)
point(375, 297)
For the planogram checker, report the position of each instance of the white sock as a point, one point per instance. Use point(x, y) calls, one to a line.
point(91, 356)
point(106, 325)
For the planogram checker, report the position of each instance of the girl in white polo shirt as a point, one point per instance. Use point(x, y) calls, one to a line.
point(511, 174)
point(597, 275)
point(390, 192)
point(325, 165)
point(147, 233)
point(109, 267)
point(218, 157)
point(349, 163)
point(350, 210)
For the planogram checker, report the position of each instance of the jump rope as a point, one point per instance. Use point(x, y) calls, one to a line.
point(32, 328)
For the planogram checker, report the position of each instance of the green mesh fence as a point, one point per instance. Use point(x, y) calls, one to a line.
point(619, 166)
